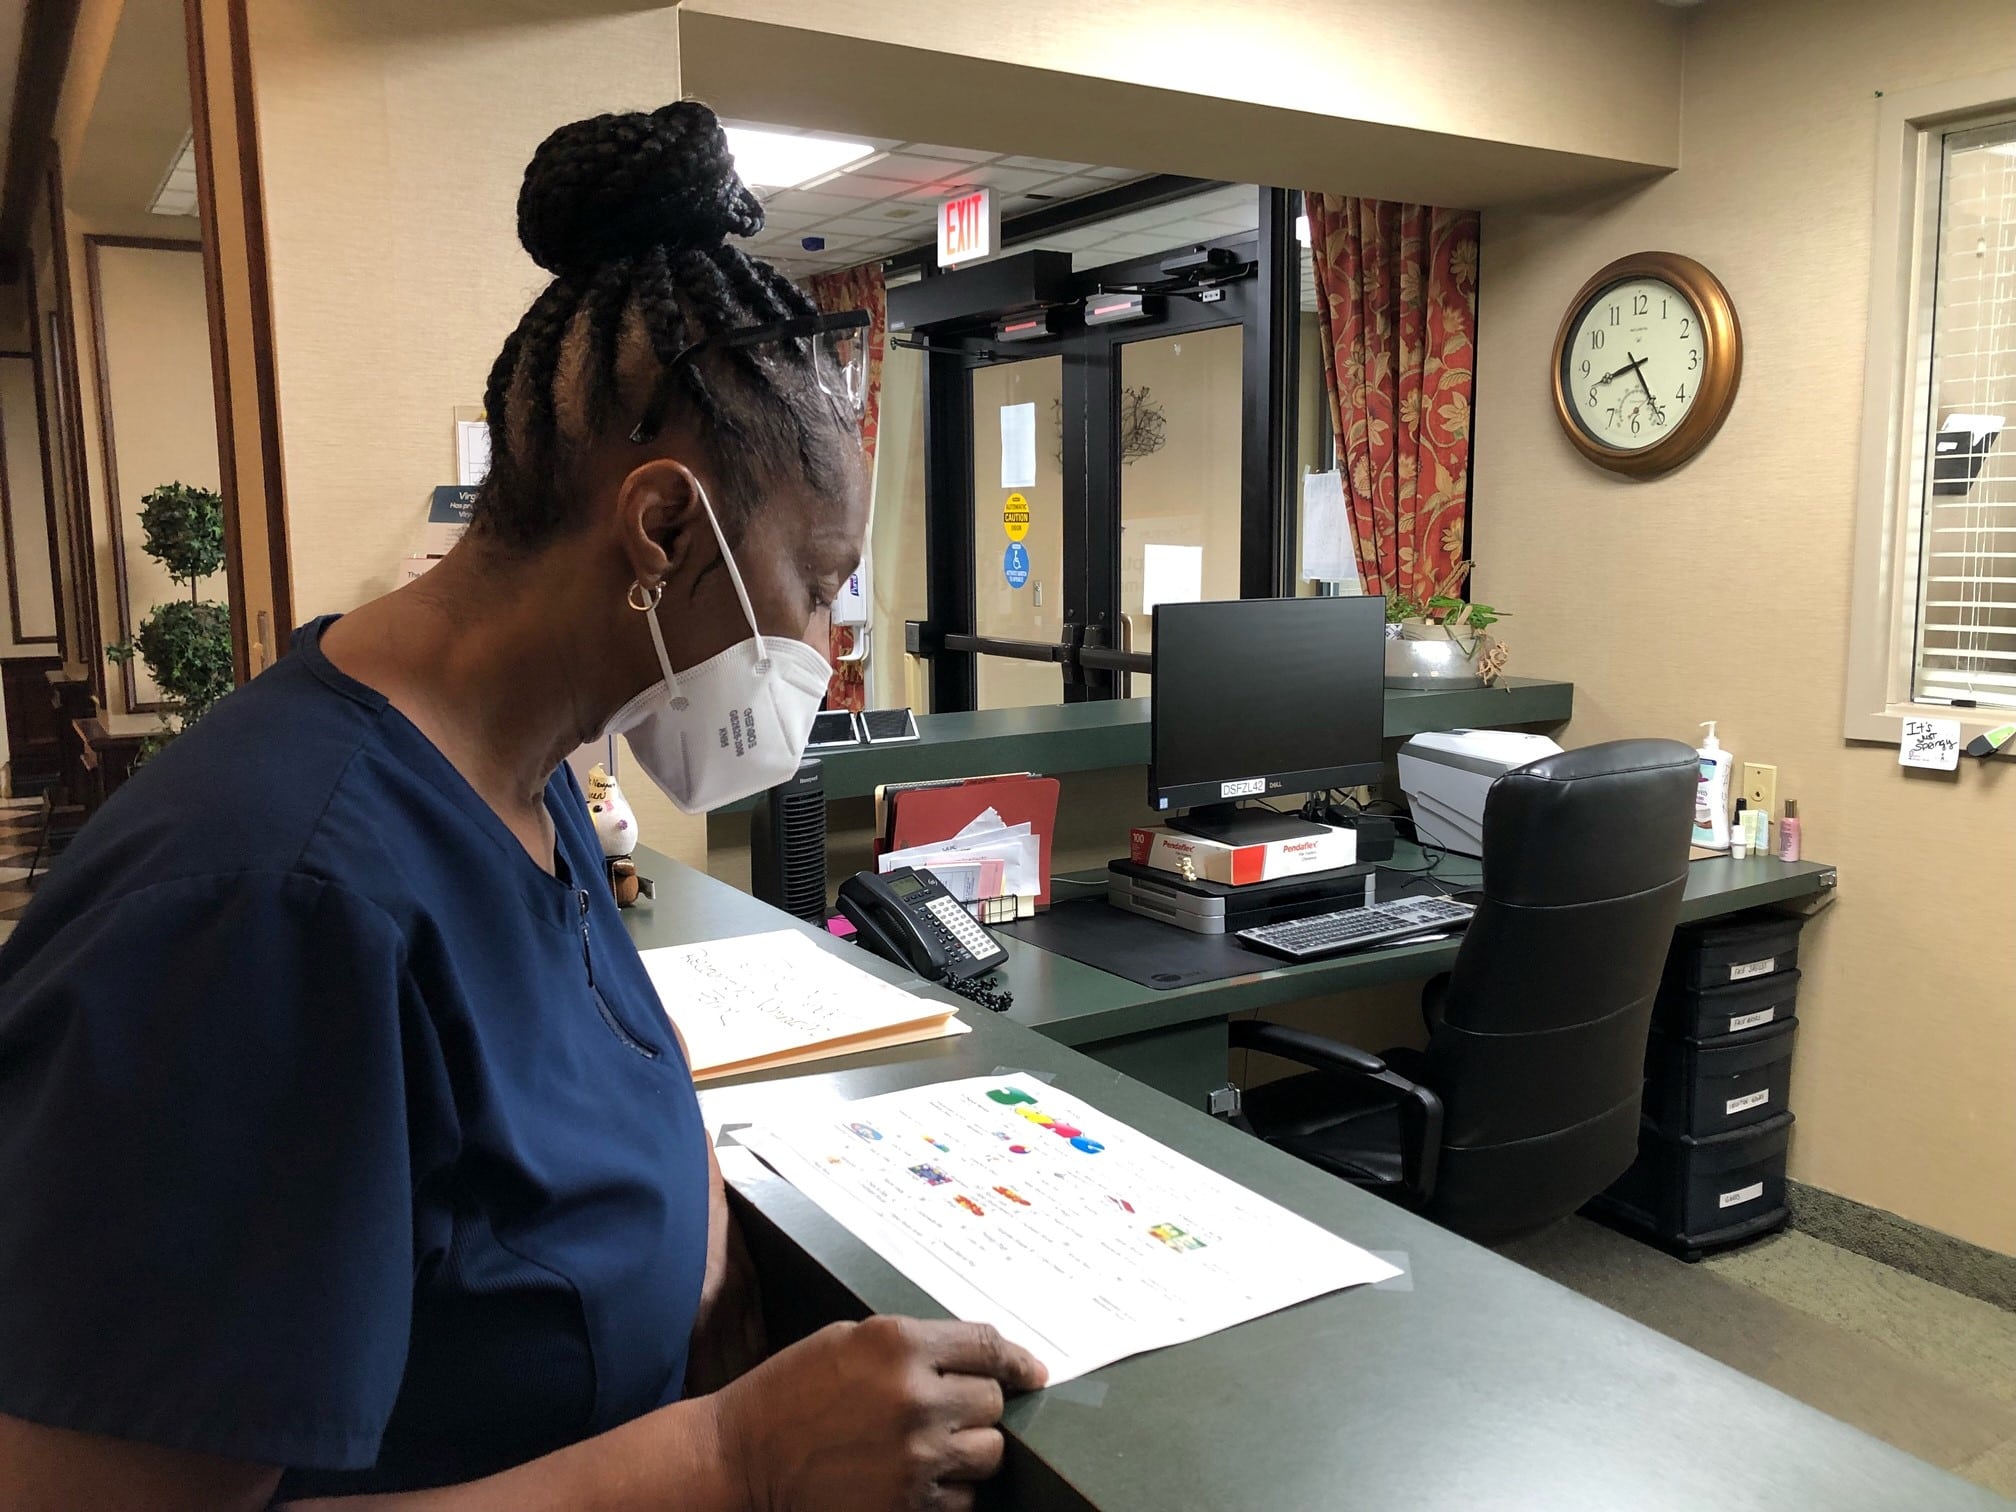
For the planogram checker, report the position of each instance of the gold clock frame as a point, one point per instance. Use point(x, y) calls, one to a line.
point(1721, 363)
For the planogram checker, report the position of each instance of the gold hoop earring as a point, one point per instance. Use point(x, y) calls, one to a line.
point(643, 599)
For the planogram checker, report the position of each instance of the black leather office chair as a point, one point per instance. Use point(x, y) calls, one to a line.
point(1525, 1103)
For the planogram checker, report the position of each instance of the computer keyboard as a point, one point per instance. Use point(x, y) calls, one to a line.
point(1356, 928)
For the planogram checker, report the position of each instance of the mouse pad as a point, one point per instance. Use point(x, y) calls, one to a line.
point(1158, 955)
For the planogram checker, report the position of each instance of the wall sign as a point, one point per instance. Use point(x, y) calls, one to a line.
point(1015, 564)
point(1930, 743)
point(969, 227)
point(1015, 517)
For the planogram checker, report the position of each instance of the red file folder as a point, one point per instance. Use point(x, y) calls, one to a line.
point(927, 814)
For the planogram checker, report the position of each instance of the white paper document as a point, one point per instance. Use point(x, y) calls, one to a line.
point(1014, 851)
point(766, 996)
point(1015, 1204)
point(1171, 575)
point(472, 452)
point(1327, 552)
point(1018, 445)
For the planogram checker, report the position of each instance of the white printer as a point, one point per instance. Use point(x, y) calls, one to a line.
point(1446, 775)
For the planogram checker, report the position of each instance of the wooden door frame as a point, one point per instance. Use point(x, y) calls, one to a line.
point(238, 284)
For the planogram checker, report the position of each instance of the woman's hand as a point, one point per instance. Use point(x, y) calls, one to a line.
point(889, 1415)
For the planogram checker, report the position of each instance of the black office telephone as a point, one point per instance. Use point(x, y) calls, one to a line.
point(909, 917)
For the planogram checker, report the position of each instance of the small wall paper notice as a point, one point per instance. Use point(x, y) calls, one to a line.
point(1018, 445)
point(1930, 743)
point(1015, 1204)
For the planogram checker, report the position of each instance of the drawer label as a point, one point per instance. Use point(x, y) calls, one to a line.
point(1741, 1195)
point(1751, 969)
point(1752, 1020)
point(1252, 787)
point(1744, 1104)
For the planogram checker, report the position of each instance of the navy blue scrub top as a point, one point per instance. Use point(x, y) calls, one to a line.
point(334, 1133)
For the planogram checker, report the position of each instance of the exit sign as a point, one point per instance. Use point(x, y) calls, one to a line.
point(969, 228)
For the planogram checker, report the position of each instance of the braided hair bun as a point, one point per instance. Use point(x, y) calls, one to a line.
point(617, 187)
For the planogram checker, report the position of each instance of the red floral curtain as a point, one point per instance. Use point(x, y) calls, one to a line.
point(856, 289)
point(1396, 303)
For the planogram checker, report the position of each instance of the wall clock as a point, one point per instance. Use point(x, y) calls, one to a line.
point(1646, 363)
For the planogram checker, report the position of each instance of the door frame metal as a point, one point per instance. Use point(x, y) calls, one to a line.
point(1266, 307)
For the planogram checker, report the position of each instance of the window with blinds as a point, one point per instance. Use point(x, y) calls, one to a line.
point(1964, 540)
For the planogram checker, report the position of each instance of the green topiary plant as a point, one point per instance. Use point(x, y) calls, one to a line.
point(186, 646)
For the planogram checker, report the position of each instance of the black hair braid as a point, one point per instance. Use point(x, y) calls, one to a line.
point(630, 212)
point(606, 304)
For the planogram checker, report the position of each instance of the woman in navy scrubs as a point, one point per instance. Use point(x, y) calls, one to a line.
point(345, 1151)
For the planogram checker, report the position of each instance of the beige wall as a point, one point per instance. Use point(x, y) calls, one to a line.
point(394, 137)
point(1719, 592)
point(27, 512)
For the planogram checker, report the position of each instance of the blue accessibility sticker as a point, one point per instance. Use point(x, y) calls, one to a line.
point(1015, 564)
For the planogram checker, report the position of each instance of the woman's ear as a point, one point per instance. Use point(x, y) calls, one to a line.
point(660, 520)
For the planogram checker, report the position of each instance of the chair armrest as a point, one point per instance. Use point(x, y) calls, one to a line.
point(1304, 1048)
point(1420, 1108)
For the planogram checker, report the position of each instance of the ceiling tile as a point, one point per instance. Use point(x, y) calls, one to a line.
point(856, 187)
point(808, 202)
point(918, 171)
point(1044, 165)
point(951, 154)
point(1007, 180)
point(1115, 175)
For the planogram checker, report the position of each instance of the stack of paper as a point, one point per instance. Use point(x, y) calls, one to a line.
point(1081, 1239)
point(989, 858)
point(778, 999)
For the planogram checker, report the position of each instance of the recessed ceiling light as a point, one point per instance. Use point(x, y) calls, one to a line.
point(779, 160)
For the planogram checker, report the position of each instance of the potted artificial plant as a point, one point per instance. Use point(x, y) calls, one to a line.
point(186, 643)
point(1441, 642)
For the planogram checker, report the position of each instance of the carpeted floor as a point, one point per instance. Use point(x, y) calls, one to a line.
point(1926, 1369)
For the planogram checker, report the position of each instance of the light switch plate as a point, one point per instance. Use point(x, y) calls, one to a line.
point(1759, 786)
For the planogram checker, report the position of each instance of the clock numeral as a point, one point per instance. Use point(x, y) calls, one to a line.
point(1682, 394)
point(1641, 303)
point(1585, 367)
point(1634, 425)
point(1615, 317)
point(1662, 309)
point(1685, 323)
point(1693, 358)
point(1595, 341)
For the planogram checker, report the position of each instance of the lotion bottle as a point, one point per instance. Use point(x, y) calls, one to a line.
point(1711, 796)
point(1788, 832)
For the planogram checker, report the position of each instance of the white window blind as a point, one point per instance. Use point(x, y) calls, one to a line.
point(1964, 538)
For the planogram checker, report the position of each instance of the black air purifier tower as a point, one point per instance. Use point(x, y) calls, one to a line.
point(787, 845)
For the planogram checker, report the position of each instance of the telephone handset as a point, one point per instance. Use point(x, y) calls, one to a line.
point(909, 917)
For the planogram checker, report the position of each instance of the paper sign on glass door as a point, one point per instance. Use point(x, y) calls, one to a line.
point(1018, 445)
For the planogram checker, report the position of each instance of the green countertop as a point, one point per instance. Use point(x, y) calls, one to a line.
point(1468, 1383)
point(1077, 1004)
point(1087, 737)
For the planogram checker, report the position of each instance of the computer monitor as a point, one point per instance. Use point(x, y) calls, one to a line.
point(1255, 698)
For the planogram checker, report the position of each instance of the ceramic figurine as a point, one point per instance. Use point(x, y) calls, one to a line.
point(615, 825)
point(616, 828)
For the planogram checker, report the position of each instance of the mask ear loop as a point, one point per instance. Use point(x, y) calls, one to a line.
point(735, 577)
point(645, 602)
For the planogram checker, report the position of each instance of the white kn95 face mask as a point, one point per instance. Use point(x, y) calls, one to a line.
point(734, 725)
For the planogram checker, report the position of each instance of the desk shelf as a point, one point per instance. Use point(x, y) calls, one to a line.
point(1087, 737)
